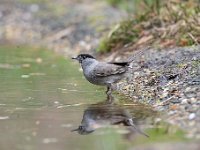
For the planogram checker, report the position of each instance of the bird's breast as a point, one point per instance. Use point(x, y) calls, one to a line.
point(91, 77)
point(88, 71)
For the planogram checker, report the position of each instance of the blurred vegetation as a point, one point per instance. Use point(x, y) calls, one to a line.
point(157, 23)
point(34, 1)
point(135, 5)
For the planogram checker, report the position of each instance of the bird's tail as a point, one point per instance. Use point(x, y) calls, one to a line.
point(141, 52)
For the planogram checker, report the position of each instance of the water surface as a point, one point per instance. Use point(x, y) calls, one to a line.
point(44, 96)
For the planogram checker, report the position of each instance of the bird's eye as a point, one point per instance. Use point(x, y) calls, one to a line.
point(80, 127)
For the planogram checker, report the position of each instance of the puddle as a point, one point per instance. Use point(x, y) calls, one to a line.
point(106, 114)
point(45, 97)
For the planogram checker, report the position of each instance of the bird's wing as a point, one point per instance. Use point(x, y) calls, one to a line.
point(120, 63)
point(107, 69)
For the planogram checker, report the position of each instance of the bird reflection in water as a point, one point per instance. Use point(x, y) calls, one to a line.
point(104, 114)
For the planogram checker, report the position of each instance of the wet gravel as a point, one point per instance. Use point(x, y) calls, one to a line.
point(169, 80)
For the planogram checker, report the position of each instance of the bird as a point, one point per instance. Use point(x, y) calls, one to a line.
point(102, 73)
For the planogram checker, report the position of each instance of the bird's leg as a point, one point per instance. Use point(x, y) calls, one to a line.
point(129, 122)
point(109, 89)
point(110, 98)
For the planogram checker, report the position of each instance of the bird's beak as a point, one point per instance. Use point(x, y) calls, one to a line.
point(74, 58)
point(75, 130)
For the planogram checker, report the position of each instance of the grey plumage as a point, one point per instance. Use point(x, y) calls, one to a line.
point(102, 73)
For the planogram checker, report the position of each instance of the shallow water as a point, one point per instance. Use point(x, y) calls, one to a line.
point(44, 96)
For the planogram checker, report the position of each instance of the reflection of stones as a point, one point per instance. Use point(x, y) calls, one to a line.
point(105, 114)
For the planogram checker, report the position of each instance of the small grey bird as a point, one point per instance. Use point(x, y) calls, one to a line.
point(102, 73)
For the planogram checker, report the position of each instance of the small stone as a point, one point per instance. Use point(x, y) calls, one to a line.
point(165, 94)
point(187, 89)
point(184, 101)
point(171, 112)
point(175, 101)
point(173, 107)
point(34, 8)
point(191, 94)
point(193, 100)
point(192, 116)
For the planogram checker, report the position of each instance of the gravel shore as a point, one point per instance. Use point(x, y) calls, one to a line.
point(168, 80)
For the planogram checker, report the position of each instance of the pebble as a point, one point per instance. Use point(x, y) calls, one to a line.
point(187, 89)
point(184, 101)
point(192, 116)
point(34, 8)
point(193, 100)
point(175, 101)
point(171, 112)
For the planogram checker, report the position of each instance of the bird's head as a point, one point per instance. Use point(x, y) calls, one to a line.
point(82, 57)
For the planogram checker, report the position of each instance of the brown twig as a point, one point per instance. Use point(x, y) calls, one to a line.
point(193, 38)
